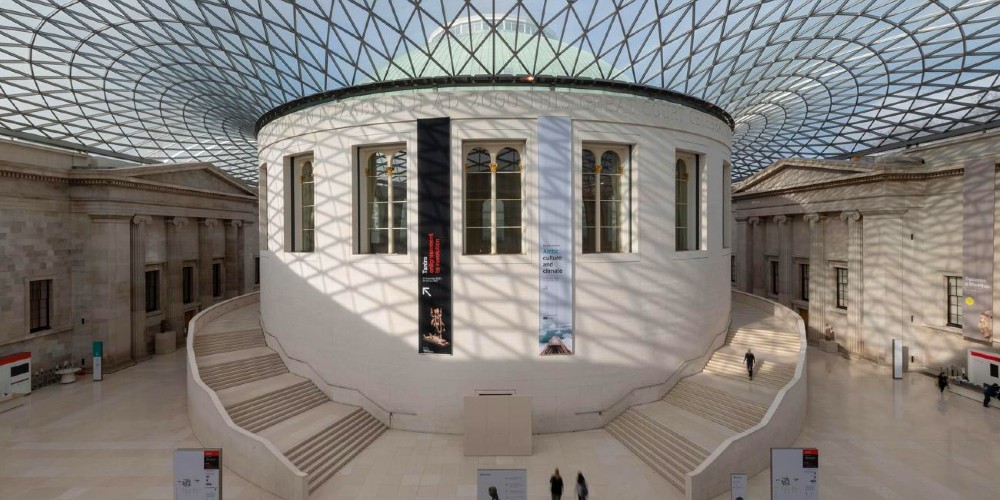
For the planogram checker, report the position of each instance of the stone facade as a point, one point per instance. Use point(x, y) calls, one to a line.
point(893, 224)
point(95, 231)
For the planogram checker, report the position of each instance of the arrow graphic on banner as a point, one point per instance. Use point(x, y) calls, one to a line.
point(425, 291)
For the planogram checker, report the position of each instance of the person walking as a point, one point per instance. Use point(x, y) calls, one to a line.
point(556, 485)
point(942, 381)
point(581, 487)
point(749, 359)
point(989, 391)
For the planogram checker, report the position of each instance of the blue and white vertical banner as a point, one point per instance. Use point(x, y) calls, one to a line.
point(978, 203)
point(555, 235)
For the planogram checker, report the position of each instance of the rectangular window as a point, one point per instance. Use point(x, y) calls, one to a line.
point(187, 284)
point(841, 287)
point(606, 219)
point(152, 291)
point(732, 268)
point(687, 202)
point(40, 303)
point(216, 280)
point(774, 277)
point(955, 301)
point(382, 199)
point(256, 270)
point(804, 282)
point(994, 370)
point(492, 200)
point(301, 206)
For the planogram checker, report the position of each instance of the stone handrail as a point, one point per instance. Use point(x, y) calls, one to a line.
point(245, 453)
point(648, 393)
point(339, 393)
point(749, 452)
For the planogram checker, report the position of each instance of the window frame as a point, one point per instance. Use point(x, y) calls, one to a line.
point(804, 282)
point(295, 187)
point(34, 327)
point(362, 156)
point(732, 269)
point(152, 290)
point(841, 286)
point(692, 190)
point(624, 193)
point(774, 277)
point(187, 284)
point(218, 280)
point(493, 147)
point(953, 283)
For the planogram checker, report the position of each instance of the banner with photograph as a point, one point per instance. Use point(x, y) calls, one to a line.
point(434, 235)
point(555, 236)
point(978, 193)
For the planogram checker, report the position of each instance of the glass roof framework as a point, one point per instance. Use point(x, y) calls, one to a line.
point(183, 80)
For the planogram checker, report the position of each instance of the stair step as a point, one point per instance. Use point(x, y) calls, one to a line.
point(233, 397)
point(332, 436)
point(307, 426)
point(718, 406)
point(322, 473)
point(240, 372)
point(280, 409)
point(646, 454)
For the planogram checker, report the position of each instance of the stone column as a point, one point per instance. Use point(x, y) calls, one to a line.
point(855, 283)
point(232, 265)
point(175, 274)
point(740, 248)
point(755, 254)
point(882, 281)
point(205, 257)
point(785, 291)
point(138, 281)
point(108, 264)
point(819, 276)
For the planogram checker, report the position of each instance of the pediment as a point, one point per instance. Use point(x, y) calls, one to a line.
point(789, 176)
point(199, 178)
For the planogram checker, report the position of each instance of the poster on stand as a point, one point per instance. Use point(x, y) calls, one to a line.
point(502, 484)
point(555, 236)
point(434, 228)
point(978, 198)
point(794, 474)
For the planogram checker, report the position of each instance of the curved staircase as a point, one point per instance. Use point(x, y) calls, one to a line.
point(677, 433)
point(260, 395)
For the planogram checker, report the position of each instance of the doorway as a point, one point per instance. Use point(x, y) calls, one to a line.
point(804, 313)
point(188, 315)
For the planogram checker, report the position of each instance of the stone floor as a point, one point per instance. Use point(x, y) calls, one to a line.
point(877, 439)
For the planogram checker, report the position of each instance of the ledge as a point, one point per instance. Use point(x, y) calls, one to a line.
point(33, 336)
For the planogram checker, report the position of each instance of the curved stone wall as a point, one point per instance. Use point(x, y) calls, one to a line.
point(353, 317)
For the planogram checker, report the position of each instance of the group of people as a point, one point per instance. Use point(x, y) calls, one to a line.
point(990, 391)
point(556, 486)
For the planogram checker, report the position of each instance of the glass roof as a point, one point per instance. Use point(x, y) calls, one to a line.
point(182, 80)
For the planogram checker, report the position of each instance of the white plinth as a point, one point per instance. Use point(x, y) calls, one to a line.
point(68, 375)
point(166, 342)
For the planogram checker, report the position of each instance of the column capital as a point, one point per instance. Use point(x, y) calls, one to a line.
point(209, 222)
point(234, 222)
point(850, 216)
point(142, 219)
point(177, 221)
point(740, 220)
point(753, 221)
point(812, 218)
point(780, 219)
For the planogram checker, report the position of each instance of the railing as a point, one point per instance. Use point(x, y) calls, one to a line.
point(245, 453)
point(652, 392)
point(749, 451)
point(378, 411)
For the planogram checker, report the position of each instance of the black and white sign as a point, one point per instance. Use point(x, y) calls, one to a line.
point(434, 228)
point(502, 484)
point(794, 474)
point(197, 474)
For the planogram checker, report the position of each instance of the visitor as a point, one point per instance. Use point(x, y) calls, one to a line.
point(989, 391)
point(581, 487)
point(556, 485)
point(942, 381)
point(493, 493)
point(749, 359)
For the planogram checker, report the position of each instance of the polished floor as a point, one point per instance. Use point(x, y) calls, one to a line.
point(878, 439)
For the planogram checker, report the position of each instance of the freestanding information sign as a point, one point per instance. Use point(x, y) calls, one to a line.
point(897, 358)
point(502, 484)
point(739, 486)
point(794, 474)
point(197, 474)
point(98, 350)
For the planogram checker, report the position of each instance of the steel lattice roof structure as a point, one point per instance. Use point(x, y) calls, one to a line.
point(176, 80)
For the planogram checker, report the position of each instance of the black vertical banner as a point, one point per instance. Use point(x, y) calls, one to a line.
point(434, 226)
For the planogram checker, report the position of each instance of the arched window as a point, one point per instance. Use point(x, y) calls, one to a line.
point(300, 205)
point(605, 221)
point(493, 203)
point(687, 202)
point(383, 200)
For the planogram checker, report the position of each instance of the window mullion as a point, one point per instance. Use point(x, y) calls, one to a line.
point(493, 209)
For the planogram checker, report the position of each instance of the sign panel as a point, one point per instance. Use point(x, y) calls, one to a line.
point(555, 236)
point(739, 486)
point(978, 185)
point(502, 484)
point(794, 474)
point(197, 474)
point(434, 228)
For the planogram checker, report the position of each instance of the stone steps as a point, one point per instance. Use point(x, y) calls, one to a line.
point(317, 435)
point(766, 341)
point(718, 406)
point(667, 452)
point(766, 373)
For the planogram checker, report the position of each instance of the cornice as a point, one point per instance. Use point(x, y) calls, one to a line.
point(855, 180)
